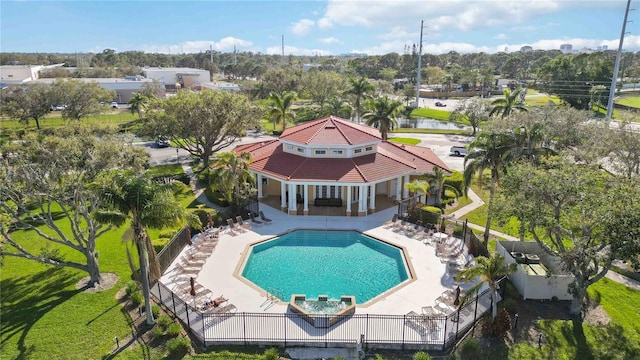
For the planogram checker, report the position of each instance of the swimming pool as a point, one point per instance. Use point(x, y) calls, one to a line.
point(325, 262)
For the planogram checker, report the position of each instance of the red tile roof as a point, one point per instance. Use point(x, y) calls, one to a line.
point(331, 131)
point(391, 160)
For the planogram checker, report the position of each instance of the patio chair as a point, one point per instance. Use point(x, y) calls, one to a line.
point(231, 227)
point(421, 323)
point(412, 230)
point(243, 225)
point(264, 218)
point(400, 225)
point(391, 223)
point(254, 220)
point(184, 269)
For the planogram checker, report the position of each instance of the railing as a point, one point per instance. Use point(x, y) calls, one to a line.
point(173, 248)
point(373, 331)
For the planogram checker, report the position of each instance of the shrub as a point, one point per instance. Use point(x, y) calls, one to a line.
point(158, 331)
point(271, 354)
point(164, 321)
point(450, 194)
point(510, 304)
point(136, 298)
point(155, 310)
point(421, 355)
point(431, 214)
point(203, 215)
point(470, 348)
point(456, 181)
point(178, 345)
point(501, 324)
point(174, 329)
point(216, 197)
point(554, 298)
point(131, 288)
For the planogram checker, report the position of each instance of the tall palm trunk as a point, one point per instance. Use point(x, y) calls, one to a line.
point(143, 254)
point(492, 191)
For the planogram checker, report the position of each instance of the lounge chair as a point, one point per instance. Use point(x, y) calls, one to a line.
point(421, 323)
point(231, 226)
point(400, 225)
point(264, 218)
point(242, 224)
point(391, 223)
point(412, 230)
point(254, 220)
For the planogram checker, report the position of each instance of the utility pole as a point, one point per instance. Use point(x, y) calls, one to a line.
point(419, 67)
point(211, 52)
point(282, 60)
point(614, 79)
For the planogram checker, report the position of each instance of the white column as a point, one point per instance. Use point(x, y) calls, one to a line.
point(398, 188)
point(362, 199)
point(259, 180)
point(406, 190)
point(292, 197)
point(372, 200)
point(348, 200)
point(306, 199)
point(283, 195)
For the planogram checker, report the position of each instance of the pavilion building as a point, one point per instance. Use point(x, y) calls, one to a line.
point(332, 162)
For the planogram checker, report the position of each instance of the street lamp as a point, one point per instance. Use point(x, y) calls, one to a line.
point(177, 155)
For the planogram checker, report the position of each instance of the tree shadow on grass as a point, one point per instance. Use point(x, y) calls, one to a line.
point(27, 299)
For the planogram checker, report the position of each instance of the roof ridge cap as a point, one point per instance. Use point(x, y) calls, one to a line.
point(358, 170)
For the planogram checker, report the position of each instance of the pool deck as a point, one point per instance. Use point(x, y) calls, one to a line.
point(218, 272)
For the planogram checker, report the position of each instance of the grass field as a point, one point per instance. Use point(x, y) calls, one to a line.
point(442, 115)
point(408, 141)
point(633, 101)
point(44, 316)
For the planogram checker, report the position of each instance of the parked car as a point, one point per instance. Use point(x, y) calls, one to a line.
point(439, 104)
point(114, 105)
point(162, 141)
point(458, 150)
point(58, 107)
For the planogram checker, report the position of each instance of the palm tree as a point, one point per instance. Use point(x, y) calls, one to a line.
point(360, 89)
point(280, 108)
point(436, 179)
point(489, 271)
point(529, 139)
point(511, 101)
point(233, 175)
point(419, 186)
point(382, 115)
point(490, 151)
point(339, 107)
point(138, 103)
point(143, 204)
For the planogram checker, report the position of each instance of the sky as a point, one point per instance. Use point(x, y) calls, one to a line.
point(323, 27)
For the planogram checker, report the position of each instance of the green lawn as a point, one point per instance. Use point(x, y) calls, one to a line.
point(44, 316)
point(542, 100)
point(408, 141)
point(566, 339)
point(432, 131)
point(633, 101)
point(442, 115)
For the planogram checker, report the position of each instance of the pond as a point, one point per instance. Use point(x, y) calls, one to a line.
point(427, 123)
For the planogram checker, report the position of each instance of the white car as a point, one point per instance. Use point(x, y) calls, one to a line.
point(458, 150)
point(114, 105)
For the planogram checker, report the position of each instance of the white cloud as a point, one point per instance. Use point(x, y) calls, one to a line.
point(330, 40)
point(500, 37)
point(292, 50)
point(302, 27)
point(325, 23)
point(400, 32)
point(224, 45)
point(459, 14)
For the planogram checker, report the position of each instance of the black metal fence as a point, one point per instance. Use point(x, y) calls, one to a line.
point(372, 331)
point(405, 204)
point(173, 248)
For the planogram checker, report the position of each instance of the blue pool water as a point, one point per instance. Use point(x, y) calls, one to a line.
point(332, 263)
